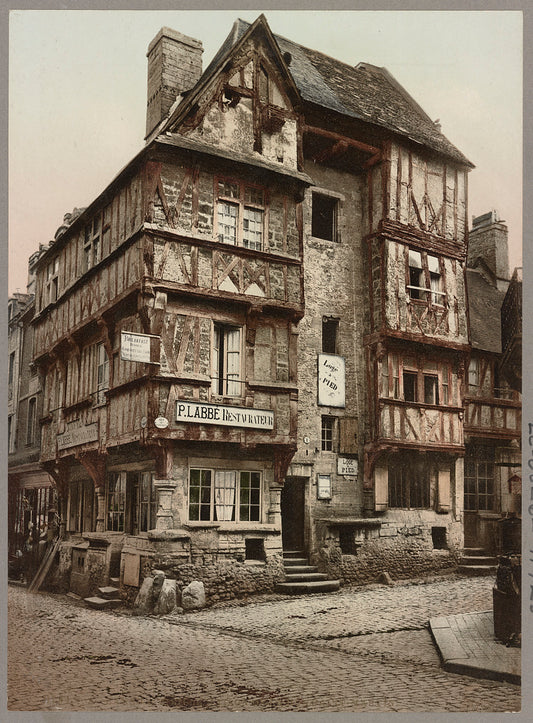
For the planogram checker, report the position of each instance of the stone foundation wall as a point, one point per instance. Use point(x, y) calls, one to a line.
point(223, 579)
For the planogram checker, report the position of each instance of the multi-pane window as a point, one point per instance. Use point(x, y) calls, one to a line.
point(11, 433)
point(240, 214)
point(81, 506)
point(221, 495)
point(329, 433)
point(409, 484)
point(130, 502)
point(473, 376)
point(425, 279)
point(330, 329)
point(30, 428)
point(52, 282)
point(324, 213)
point(410, 384)
point(92, 242)
point(227, 360)
point(102, 373)
point(479, 479)
point(431, 389)
point(11, 370)
point(428, 392)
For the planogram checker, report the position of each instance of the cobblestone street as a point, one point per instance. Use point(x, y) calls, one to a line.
point(361, 649)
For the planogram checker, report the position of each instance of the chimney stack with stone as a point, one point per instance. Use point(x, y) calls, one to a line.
point(174, 66)
point(488, 241)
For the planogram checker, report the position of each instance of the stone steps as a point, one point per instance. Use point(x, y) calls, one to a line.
point(298, 588)
point(107, 598)
point(302, 578)
point(475, 570)
point(474, 562)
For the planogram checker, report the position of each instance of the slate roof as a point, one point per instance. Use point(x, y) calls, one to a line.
point(365, 92)
point(484, 306)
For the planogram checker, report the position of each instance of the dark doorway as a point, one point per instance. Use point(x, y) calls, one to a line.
point(292, 513)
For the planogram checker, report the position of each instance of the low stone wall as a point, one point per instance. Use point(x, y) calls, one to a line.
point(224, 579)
point(409, 553)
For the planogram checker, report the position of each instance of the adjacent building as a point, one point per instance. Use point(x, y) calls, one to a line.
point(255, 340)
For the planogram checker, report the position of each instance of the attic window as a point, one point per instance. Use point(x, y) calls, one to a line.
point(230, 99)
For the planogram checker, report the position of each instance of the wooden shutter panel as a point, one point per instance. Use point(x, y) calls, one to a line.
point(348, 435)
point(444, 491)
point(381, 488)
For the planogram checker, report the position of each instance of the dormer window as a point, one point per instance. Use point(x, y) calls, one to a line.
point(425, 278)
point(91, 244)
point(240, 214)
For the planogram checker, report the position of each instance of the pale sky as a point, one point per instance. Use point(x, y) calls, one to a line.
point(77, 97)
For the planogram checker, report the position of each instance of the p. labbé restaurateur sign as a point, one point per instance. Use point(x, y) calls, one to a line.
point(203, 413)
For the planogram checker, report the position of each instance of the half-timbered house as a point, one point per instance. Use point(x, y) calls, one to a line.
point(255, 339)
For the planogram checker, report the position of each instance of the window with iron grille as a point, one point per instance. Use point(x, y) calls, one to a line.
point(329, 434)
point(240, 214)
point(409, 484)
point(224, 495)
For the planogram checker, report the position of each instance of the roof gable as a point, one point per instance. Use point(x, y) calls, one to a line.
point(364, 92)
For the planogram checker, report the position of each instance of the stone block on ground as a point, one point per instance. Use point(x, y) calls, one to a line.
point(166, 602)
point(193, 596)
point(143, 604)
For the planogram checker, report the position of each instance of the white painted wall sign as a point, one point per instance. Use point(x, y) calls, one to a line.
point(77, 435)
point(323, 488)
point(331, 380)
point(135, 347)
point(226, 416)
point(347, 467)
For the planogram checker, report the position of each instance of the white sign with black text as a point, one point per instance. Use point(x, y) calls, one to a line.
point(331, 380)
point(347, 467)
point(203, 413)
point(135, 347)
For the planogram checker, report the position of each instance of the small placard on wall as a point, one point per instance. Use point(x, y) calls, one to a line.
point(323, 487)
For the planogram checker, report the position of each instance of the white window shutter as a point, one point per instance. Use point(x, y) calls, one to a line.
point(444, 491)
point(381, 488)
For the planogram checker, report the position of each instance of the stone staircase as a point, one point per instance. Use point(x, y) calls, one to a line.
point(108, 597)
point(475, 561)
point(302, 578)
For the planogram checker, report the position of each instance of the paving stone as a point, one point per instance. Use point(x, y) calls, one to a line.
point(270, 655)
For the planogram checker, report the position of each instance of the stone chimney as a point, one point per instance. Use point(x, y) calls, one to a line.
point(174, 66)
point(488, 240)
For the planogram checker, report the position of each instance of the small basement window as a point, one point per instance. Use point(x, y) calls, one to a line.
point(347, 541)
point(324, 217)
point(255, 549)
point(438, 535)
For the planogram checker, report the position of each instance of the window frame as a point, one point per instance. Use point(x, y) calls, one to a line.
point(329, 433)
point(330, 335)
point(92, 242)
point(426, 268)
point(212, 479)
point(243, 201)
point(102, 367)
point(221, 382)
point(52, 280)
point(128, 515)
point(474, 461)
point(333, 235)
point(31, 421)
point(407, 487)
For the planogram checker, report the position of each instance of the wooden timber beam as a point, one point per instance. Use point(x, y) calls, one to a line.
point(375, 153)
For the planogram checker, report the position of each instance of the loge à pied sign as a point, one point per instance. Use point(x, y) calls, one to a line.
point(203, 413)
point(331, 380)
